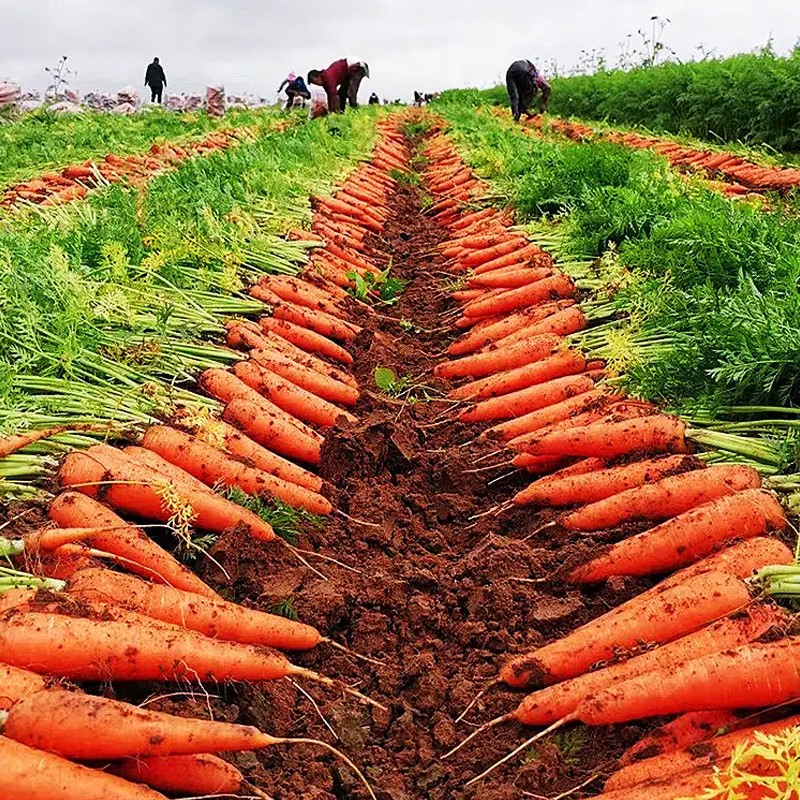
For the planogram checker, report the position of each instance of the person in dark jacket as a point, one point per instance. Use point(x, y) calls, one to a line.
point(156, 80)
point(295, 87)
point(340, 81)
point(374, 100)
point(523, 81)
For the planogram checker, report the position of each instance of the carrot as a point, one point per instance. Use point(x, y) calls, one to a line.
point(556, 412)
point(249, 417)
point(143, 556)
point(80, 726)
point(697, 784)
point(519, 257)
point(524, 401)
point(564, 362)
point(17, 441)
point(30, 774)
point(687, 537)
point(273, 342)
point(17, 684)
point(169, 471)
point(665, 498)
point(558, 286)
point(499, 359)
point(291, 398)
point(144, 492)
point(671, 765)
point(213, 467)
point(314, 320)
point(597, 484)
point(224, 436)
point(664, 615)
point(301, 294)
point(215, 618)
point(563, 323)
point(199, 775)
point(310, 380)
point(511, 277)
point(680, 733)
point(537, 465)
point(553, 703)
point(652, 434)
point(306, 339)
point(476, 257)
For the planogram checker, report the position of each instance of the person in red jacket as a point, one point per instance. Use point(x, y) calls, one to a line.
point(340, 81)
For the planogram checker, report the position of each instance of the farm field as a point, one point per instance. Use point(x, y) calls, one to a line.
point(396, 455)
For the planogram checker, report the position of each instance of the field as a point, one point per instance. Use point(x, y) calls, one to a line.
point(396, 454)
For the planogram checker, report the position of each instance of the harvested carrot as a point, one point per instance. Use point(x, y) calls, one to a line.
point(564, 362)
point(17, 684)
point(524, 401)
point(592, 486)
point(213, 467)
point(142, 555)
point(273, 342)
point(665, 615)
point(306, 339)
point(171, 472)
point(562, 323)
point(30, 774)
point(215, 618)
point(556, 702)
point(680, 733)
point(652, 434)
point(500, 359)
point(664, 498)
point(290, 397)
point(557, 286)
point(316, 321)
point(511, 277)
point(138, 490)
point(249, 417)
point(198, 775)
point(688, 537)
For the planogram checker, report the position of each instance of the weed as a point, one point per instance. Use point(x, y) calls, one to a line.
point(285, 608)
point(569, 743)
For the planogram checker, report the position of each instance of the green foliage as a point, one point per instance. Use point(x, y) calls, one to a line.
point(569, 743)
point(287, 522)
point(285, 608)
point(386, 286)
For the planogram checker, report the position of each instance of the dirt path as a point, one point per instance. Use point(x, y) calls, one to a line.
point(434, 597)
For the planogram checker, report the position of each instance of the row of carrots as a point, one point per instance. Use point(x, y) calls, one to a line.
point(75, 181)
point(740, 176)
point(149, 617)
point(602, 460)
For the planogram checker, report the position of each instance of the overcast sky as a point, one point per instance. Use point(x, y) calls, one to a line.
point(249, 45)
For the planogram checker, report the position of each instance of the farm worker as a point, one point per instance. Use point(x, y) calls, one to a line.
point(295, 87)
point(374, 100)
point(340, 81)
point(156, 80)
point(523, 81)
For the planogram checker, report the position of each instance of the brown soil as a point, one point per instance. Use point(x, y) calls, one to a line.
point(434, 597)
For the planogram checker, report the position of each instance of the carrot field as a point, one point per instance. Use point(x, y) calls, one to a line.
point(404, 453)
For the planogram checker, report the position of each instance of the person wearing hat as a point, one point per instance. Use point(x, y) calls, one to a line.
point(523, 81)
point(295, 87)
point(341, 81)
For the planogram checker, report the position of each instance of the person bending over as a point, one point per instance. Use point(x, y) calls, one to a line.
point(523, 81)
point(295, 87)
point(340, 81)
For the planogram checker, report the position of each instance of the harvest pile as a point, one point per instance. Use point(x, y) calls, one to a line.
point(74, 181)
point(739, 175)
point(409, 470)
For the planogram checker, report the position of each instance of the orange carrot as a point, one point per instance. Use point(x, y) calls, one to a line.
point(557, 412)
point(216, 618)
point(138, 490)
point(213, 467)
point(300, 293)
point(553, 703)
point(291, 398)
point(250, 418)
point(564, 362)
point(30, 774)
point(520, 256)
point(595, 485)
point(273, 342)
point(680, 733)
point(688, 537)
point(664, 498)
point(662, 616)
point(143, 556)
point(314, 320)
point(563, 323)
point(224, 436)
point(169, 471)
point(198, 775)
point(310, 380)
point(524, 401)
point(477, 257)
point(657, 433)
point(306, 339)
point(17, 684)
point(558, 286)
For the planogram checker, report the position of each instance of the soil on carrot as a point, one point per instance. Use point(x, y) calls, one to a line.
point(433, 590)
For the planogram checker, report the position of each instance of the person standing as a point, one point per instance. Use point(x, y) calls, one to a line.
point(340, 81)
point(156, 80)
point(523, 81)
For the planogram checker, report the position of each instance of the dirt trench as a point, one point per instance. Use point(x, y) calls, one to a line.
point(434, 596)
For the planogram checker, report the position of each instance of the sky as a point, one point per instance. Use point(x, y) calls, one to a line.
point(429, 45)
